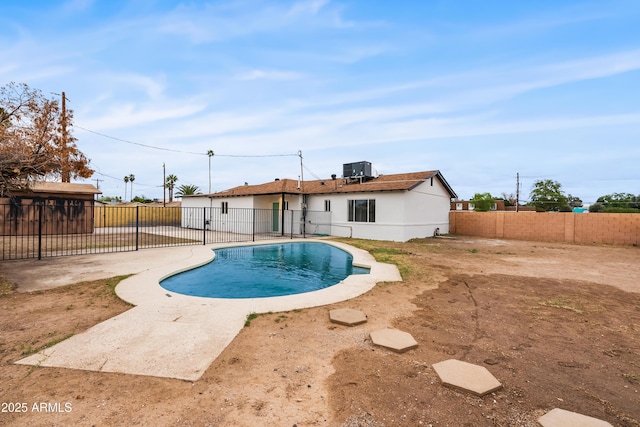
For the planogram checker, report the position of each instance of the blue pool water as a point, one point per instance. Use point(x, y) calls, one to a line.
point(266, 271)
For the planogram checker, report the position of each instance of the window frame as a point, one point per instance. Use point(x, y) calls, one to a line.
point(361, 210)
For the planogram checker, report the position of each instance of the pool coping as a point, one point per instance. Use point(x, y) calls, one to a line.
point(167, 334)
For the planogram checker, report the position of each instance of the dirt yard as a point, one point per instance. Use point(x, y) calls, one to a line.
point(558, 325)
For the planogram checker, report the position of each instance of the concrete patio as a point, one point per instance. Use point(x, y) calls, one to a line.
point(168, 334)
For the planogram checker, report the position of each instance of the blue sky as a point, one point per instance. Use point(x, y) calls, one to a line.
point(480, 90)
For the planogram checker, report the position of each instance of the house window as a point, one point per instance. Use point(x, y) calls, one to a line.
point(327, 205)
point(494, 206)
point(225, 207)
point(472, 206)
point(362, 210)
point(458, 206)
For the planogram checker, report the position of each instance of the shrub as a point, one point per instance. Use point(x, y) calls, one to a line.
point(621, 210)
point(596, 207)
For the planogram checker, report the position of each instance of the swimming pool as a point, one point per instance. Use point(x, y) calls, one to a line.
point(260, 271)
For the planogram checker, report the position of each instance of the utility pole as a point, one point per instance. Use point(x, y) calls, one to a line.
point(98, 184)
point(210, 154)
point(164, 186)
point(301, 171)
point(66, 172)
point(517, 190)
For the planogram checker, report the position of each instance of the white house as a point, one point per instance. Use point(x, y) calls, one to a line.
point(394, 207)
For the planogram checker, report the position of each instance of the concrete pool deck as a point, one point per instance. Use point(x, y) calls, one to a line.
point(172, 335)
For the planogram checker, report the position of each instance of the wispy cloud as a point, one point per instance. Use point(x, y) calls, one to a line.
point(77, 5)
point(490, 85)
point(258, 74)
point(302, 7)
point(541, 21)
point(127, 115)
point(152, 87)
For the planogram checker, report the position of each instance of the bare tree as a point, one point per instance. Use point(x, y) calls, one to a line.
point(35, 140)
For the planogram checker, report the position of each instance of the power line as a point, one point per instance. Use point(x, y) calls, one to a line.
point(137, 143)
point(311, 172)
point(182, 151)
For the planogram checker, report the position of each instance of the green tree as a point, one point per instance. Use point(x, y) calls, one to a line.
point(574, 202)
point(547, 195)
point(170, 182)
point(596, 207)
point(617, 203)
point(188, 190)
point(482, 201)
point(108, 199)
point(141, 199)
point(620, 200)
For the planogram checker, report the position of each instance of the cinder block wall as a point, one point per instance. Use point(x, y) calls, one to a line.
point(618, 229)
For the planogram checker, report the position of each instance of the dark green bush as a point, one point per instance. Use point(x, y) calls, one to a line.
point(596, 207)
point(621, 210)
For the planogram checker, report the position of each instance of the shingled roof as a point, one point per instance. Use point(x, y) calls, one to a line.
point(395, 182)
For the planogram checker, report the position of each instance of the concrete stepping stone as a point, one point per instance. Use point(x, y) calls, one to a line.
point(347, 316)
point(393, 339)
point(466, 377)
point(561, 418)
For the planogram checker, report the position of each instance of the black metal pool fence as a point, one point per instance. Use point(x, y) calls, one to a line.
point(41, 230)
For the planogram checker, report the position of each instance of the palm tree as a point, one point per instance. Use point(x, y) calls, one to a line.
point(171, 182)
point(188, 190)
point(126, 180)
point(132, 178)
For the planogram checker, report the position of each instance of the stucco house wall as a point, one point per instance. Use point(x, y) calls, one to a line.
point(407, 206)
point(245, 214)
point(400, 215)
point(426, 210)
